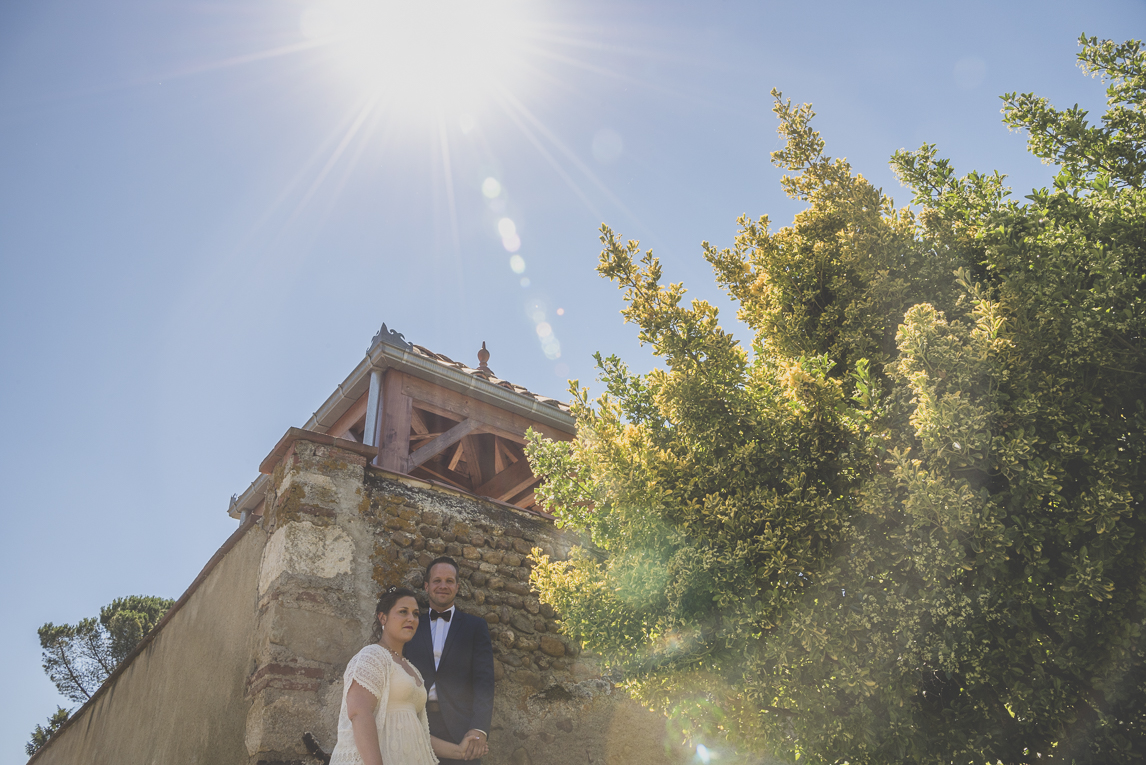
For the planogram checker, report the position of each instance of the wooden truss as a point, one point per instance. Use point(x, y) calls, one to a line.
point(427, 431)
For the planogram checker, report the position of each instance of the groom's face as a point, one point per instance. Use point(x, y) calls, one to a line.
point(442, 587)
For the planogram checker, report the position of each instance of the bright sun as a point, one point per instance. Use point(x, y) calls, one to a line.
point(438, 53)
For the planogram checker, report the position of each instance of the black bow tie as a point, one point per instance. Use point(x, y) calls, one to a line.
point(444, 615)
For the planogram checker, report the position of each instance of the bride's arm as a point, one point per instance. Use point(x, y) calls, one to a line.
point(360, 705)
point(445, 750)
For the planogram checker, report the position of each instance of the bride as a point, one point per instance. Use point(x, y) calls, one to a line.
point(383, 715)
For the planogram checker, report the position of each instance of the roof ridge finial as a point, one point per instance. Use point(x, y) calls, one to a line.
point(483, 357)
point(390, 337)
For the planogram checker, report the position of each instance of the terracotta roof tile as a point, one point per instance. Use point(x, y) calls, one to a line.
point(488, 374)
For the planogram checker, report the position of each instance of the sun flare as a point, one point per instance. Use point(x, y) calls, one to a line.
point(445, 53)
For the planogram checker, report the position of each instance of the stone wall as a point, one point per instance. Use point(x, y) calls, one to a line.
point(341, 532)
point(252, 656)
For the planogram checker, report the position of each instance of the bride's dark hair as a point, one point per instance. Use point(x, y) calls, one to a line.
point(385, 603)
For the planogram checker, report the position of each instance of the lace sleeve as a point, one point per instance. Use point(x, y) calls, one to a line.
point(370, 668)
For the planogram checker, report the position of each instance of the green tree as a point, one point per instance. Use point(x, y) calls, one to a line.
point(41, 734)
point(907, 524)
point(79, 657)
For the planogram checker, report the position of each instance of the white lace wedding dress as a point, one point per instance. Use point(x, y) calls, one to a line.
point(403, 731)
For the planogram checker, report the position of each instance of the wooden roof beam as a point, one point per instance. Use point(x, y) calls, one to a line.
point(509, 482)
point(441, 443)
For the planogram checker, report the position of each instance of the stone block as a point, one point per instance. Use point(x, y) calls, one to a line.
point(435, 546)
point(552, 646)
point(470, 553)
point(305, 549)
point(529, 678)
point(274, 722)
point(524, 643)
point(522, 623)
point(454, 550)
point(532, 605)
point(506, 638)
point(492, 556)
point(522, 547)
point(511, 559)
point(496, 583)
point(312, 635)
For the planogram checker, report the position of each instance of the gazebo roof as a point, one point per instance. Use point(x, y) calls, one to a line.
point(481, 418)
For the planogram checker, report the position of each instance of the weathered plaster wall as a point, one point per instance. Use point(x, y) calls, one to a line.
point(182, 698)
point(341, 531)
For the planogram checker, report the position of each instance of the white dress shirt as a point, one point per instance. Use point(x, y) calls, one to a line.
point(439, 628)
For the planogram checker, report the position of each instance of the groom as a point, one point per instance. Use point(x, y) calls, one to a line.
point(453, 651)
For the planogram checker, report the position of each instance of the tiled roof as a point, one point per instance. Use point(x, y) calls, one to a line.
point(488, 375)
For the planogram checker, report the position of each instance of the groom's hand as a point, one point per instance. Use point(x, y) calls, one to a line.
point(474, 744)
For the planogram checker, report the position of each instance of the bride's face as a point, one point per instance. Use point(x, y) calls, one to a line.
point(402, 621)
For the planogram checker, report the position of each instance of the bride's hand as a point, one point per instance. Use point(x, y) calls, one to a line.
point(474, 747)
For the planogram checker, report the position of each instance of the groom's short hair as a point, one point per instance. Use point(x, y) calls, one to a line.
point(436, 561)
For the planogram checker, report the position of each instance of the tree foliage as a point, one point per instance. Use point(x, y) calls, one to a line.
point(79, 657)
point(907, 523)
point(41, 734)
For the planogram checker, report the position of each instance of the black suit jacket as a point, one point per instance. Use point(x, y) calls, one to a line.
point(464, 675)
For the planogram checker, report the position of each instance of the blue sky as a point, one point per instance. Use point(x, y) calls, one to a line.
point(207, 210)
